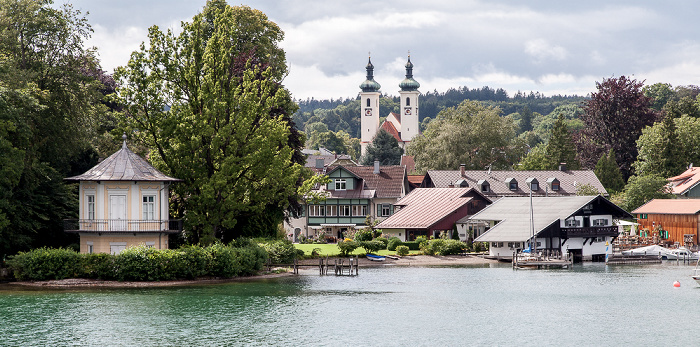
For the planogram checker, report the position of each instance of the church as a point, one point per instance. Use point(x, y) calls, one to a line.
point(403, 126)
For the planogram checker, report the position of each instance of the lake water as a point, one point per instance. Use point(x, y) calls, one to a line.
point(589, 305)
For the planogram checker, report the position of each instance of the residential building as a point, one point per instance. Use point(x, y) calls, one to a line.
point(123, 202)
point(353, 194)
point(430, 211)
point(495, 184)
point(679, 218)
point(686, 184)
point(579, 225)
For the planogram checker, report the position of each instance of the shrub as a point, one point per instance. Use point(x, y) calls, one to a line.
point(412, 245)
point(393, 243)
point(384, 241)
point(402, 250)
point(46, 264)
point(196, 261)
point(98, 265)
point(347, 247)
point(442, 247)
point(280, 251)
point(371, 246)
point(363, 235)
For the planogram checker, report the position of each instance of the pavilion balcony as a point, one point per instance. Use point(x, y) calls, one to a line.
point(122, 226)
point(589, 231)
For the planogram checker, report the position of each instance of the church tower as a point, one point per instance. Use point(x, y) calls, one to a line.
point(369, 108)
point(410, 124)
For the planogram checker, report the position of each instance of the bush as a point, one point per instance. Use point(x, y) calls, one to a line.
point(384, 241)
point(371, 246)
point(99, 266)
point(363, 235)
point(412, 245)
point(281, 251)
point(346, 247)
point(402, 250)
point(46, 264)
point(393, 243)
point(443, 247)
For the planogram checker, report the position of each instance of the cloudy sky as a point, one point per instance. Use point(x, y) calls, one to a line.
point(554, 47)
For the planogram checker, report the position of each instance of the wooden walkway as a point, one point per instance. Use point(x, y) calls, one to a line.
point(340, 267)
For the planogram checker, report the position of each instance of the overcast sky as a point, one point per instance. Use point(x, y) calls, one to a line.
point(554, 47)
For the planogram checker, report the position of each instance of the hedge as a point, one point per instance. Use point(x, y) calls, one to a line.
point(140, 263)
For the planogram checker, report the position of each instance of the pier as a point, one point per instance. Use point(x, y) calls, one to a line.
point(548, 259)
point(341, 267)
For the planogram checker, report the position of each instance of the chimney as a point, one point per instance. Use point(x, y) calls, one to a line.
point(319, 163)
point(562, 167)
point(376, 167)
point(451, 185)
point(461, 169)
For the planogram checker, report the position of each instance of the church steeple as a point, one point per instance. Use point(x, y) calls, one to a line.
point(370, 85)
point(409, 104)
point(409, 84)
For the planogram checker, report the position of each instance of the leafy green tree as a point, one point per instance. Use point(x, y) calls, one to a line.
point(586, 190)
point(640, 189)
point(608, 172)
point(525, 119)
point(614, 118)
point(209, 103)
point(536, 159)
point(664, 154)
point(560, 148)
point(49, 102)
point(385, 148)
point(660, 94)
point(470, 134)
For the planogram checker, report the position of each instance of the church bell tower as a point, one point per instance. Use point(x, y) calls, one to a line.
point(410, 125)
point(369, 107)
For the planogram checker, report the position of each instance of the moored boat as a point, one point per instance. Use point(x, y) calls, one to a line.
point(682, 254)
point(696, 272)
point(374, 257)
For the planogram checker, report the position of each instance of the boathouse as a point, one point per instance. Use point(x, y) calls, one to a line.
point(579, 225)
point(676, 221)
point(430, 211)
point(123, 202)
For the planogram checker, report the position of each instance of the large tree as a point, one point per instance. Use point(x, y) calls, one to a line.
point(385, 148)
point(666, 148)
point(614, 117)
point(49, 101)
point(608, 172)
point(209, 103)
point(470, 134)
point(559, 149)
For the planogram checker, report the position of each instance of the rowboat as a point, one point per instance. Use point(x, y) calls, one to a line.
point(374, 257)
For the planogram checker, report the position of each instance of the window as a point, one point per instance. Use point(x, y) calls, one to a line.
point(150, 244)
point(513, 245)
point(513, 185)
point(555, 186)
point(149, 207)
point(601, 222)
point(643, 216)
point(331, 210)
point(90, 247)
point(317, 211)
point(340, 184)
point(485, 187)
point(359, 210)
point(599, 239)
point(90, 207)
point(534, 186)
point(386, 209)
point(573, 223)
point(368, 104)
point(344, 210)
point(408, 101)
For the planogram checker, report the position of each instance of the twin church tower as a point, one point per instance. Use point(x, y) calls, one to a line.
point(403, 126)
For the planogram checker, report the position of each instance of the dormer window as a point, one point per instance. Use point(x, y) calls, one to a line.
point(462, 183)
point(554, 184)
point(512, 184)
point(340, 184)
point(484, 185)
point(533, 183)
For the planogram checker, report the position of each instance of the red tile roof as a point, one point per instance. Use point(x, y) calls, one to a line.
point(389, 183)
point(391, 129)
point(424, 207)
point(397, 116)
point(682, 183)
point(409, 162)
point(670, 206)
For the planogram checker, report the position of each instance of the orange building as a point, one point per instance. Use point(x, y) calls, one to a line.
point(679, 217)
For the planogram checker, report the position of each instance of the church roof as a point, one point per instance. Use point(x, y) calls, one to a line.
point(409, 84)
point(370, 85)
point(123, 165)
point(391, 129)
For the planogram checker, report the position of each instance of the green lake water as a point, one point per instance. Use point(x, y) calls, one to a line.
point(589, 305)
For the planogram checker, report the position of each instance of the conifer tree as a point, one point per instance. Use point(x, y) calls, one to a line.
point(560, 148)
point(608, 172)
point(671, 159)
point(384, 148)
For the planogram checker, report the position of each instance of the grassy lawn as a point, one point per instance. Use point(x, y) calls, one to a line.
point(331, 249)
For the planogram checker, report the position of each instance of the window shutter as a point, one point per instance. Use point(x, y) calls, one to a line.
point(391, 209)
point(379, 210)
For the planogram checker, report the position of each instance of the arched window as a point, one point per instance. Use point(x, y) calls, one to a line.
point(408, 101)
point(368, 105)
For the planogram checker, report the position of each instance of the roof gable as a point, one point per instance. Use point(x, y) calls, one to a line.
point(391, 129)
point(424, 207)
point(391, 181)
point(670, 206)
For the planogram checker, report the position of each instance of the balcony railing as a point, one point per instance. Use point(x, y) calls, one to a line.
point(589, 231)
point(122, 226)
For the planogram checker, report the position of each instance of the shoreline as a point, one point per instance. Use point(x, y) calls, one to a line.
point(408, 261)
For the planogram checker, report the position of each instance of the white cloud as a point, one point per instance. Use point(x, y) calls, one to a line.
point(115, 45)
point(542, 51)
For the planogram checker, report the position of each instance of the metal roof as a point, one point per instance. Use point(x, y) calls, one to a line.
point(568, 181)
point(423, 207)
point(513, 215)
point(123, 165)
point(670, 206)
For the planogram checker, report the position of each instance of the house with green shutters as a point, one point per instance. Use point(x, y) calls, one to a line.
point(353, 193)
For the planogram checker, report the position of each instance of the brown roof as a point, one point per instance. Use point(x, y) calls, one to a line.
point(389, 183)
point(123, 165)
point(670, 206)
point(682, 183)
point(409, 162)
point(391, 129)
point(424, 207)
point(568, 181)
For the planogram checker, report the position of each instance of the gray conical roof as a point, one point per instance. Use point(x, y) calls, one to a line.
point(123, 165)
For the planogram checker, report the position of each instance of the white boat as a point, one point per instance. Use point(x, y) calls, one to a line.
point(696, 272)
point(649, 250)
point(374, 257)
point(682, 253)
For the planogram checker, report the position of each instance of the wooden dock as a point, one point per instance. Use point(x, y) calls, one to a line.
point(617, 259)
point(547, 259)
point(341, 267)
